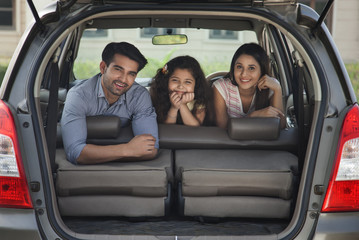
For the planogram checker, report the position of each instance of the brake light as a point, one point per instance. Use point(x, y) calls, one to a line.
point(14, 192)
point(343, 188)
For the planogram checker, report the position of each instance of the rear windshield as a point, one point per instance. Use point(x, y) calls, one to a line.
point(213, 49)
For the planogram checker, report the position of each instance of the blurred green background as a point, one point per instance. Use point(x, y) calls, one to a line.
point(353, 71)
point(150, 70)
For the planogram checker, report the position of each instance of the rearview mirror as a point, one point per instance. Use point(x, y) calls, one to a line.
point(169, 39)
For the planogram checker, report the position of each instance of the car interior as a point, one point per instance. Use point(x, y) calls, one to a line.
point(249, 172)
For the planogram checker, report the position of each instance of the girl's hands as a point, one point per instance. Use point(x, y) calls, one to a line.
point(179, 103)
point(175, 99)
point(187, 97)
point(266, 82)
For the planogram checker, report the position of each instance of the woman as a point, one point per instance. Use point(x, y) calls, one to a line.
point(247, 90)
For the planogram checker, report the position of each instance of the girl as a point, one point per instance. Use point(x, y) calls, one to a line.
point(180, 93)
point(247, 90)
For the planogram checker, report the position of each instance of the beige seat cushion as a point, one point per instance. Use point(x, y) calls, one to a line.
point(240, 206)
point(236, 173)
point(107, 205)
point(139, 178)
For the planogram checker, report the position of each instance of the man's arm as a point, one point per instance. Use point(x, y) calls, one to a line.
point(73, 126)
point(141, 147)
point(144, 120)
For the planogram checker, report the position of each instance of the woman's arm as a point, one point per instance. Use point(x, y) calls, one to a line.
point(220, 109)
point(276, 101)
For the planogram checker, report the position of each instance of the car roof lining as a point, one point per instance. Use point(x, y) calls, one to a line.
point(170, 22)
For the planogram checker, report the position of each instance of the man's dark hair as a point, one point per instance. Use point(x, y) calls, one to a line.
point(125, 49)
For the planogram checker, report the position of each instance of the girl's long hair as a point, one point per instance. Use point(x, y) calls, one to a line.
point(259, 54)
point(202, 91)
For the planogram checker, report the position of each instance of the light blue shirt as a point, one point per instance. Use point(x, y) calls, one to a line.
point(88, 99)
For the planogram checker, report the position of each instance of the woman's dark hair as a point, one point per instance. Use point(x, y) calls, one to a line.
point(260, 55)
point(160, 94)
point(125, 49)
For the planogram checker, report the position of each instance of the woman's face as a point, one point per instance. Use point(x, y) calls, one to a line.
point(246, 72)
point(181, 81)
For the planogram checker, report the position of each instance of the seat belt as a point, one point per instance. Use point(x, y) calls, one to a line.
point(52, 108)
point(299, 106)
point(64, 77)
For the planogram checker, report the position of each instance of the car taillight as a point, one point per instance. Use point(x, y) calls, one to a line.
point(14, 192)
point(343, 189)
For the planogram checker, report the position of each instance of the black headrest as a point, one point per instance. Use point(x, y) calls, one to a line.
point(251, 128)
point(103, 127)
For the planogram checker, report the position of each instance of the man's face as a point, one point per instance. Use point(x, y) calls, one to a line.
point(118, 77)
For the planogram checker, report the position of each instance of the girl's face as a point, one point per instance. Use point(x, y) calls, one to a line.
point(181, 81)
point(246, 72)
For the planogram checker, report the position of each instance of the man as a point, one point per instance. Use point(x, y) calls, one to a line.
point(113, 92)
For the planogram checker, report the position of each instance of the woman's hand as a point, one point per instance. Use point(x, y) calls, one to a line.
point(267, 112)
point(266, 82)
point(176, 100)
point(276, 101)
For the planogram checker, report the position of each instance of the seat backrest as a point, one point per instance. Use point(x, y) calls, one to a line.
point(44, 102)
point(258, 134)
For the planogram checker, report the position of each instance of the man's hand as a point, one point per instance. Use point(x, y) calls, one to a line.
point(141, 145)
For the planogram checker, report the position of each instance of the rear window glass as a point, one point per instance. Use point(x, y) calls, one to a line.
point(213, 49)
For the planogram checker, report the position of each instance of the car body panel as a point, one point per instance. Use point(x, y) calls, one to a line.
point(337, 226)
point(18, 224)
point(330, 103)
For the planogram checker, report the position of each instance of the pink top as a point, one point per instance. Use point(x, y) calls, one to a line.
point(231, 96)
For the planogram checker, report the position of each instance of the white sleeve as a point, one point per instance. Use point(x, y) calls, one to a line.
point(221, 87)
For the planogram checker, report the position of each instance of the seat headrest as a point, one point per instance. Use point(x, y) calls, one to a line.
point(252, 128)
point(103, 127)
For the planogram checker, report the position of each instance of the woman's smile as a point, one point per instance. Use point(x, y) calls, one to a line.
point(247, 71)
point(245, 80)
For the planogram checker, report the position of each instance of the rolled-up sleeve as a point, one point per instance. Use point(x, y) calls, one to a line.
point(73, 126)
point(144, 119)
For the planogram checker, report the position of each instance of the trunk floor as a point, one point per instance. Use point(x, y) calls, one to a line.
point(174, 227)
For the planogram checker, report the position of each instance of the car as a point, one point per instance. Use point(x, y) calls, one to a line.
point(253, 180)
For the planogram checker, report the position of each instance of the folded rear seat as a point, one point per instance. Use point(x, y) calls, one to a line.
point(236, 183)
point(131, 189)
point(249, 171)
point(254, 177)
